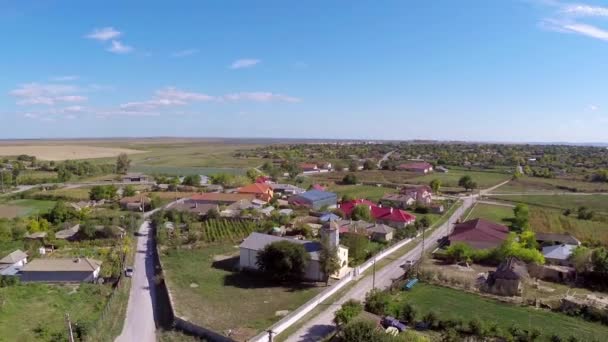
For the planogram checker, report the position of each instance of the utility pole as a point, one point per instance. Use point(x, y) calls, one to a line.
point(374, 274)
point(69, 323)
point(270, 332)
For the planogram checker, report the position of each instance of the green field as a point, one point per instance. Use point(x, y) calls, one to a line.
point(536, 184)
point(453, 304)
point(74, 194)
point(370, 192)
point(36, 312)
point(220, 298)
point(24, 207)
point(36, 176)
point(598, 203)
point(184, 171)
point(496, 213)
point(482, 178)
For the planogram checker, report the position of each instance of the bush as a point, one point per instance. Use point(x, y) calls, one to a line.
point(377, 302)
point(349, 310)
point(349, 179)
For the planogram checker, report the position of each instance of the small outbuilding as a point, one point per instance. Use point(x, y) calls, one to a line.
point(314, 199)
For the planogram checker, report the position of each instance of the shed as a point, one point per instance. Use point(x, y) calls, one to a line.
point(314, 199)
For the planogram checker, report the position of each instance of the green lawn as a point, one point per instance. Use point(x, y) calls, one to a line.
point(598, 203)
point(373, 193)
point(24, 207)
point(453, 304)
point(536, 184)
point(482, 178)
point(36, 312)
point(219, 298)
point(495, 213)
point(74, 194)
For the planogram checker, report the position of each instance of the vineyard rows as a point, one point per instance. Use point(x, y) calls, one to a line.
point(227, 230)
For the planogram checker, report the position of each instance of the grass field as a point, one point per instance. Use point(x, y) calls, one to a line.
point(495, 213)
point(28, 175)
point(35, 312)
point(73, 194)
point(63, 152)
point(453, 304)
point(535, 184)
point(24, 207)
point(184, 170)
point(450, 179)
point(370, 192)
point(220, 299)
point(597, 203)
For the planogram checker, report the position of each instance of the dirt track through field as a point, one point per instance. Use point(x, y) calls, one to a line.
point(64, 152)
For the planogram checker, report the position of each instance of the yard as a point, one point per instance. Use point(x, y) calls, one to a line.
point(453, 304)
point(36, 312)
point(372, 193)
point(24, 207)
point(208, 291)
point(496, 213)
point(536, 184)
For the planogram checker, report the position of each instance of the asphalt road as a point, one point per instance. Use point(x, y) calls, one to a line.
point(322, 325)
point(139, 322)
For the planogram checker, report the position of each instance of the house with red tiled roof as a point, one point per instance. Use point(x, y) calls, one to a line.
point(390, 216)
point(218, 198)
point(418, 167)
point(479, 234)
point(259, 190)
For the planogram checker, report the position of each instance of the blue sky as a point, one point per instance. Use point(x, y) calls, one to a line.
point(517, 70)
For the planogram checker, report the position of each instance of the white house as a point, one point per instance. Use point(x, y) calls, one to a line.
point(255, 242)
point(12, 263)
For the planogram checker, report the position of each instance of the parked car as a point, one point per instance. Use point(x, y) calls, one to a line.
point(129, 272)
point(389, 321)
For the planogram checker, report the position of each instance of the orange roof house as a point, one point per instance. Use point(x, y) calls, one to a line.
point(261, 191)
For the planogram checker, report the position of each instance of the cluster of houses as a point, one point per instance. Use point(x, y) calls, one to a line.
point(510, 275)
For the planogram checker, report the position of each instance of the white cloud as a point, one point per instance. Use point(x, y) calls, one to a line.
point(119, 48)
point(244, 63)
point(575, 28)
point(104, 34)
point(260, 97)
point(73, 109)
point(46, 94)
point(593, 107)
point(185, 53)
point(165, 97)
point(65, 78)
point(585, 10)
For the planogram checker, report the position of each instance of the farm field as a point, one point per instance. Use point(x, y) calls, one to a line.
point(36, 176)
point(598, 203)
point(64, 152)
point(184, 170)
point(373, 193)
point(454, 304)
point(208, 291)
point(535, 184)
point(68, 194)
point(482, 178)
point(35, 312)
point(23, 207)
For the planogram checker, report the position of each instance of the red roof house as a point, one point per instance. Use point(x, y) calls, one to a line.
point(318, 187)
point(388, 215)
point(261, 191)
point(419, 167)
point(479, 234)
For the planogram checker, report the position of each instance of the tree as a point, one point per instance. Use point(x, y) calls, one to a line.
point(360, 331)
point(377, 302)
point(252, 174)
point(60, 213)
point(425, 222)
point(353, 166)
point(338, 166)
point(459, 252)
point(361, 212)
point(122, 163)
point(369, 165)
point(584, 213)
point(349, 179)
point(128, 191)
point(467, 183)
point(348, 197)
point(521, 222)
point(435, 185)
point(213, 214)
point(328, 259)
point(349, 310)
point(283, 260)
point(407, 313)
point(192, 180)
point(6, 233)
point(99, 192)
point(88, 229)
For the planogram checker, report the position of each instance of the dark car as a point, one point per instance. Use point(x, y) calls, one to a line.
point(129, 272)
point(389, 321)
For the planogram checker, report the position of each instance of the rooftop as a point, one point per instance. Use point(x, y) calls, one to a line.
point(13, 257)
point(62, 265)
point(257, 241)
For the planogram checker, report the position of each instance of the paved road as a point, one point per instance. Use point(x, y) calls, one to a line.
point(321, 325)
point(139, 322)
point(385, 157)
point(551, 193)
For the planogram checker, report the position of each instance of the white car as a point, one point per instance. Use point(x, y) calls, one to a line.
point(129, 272)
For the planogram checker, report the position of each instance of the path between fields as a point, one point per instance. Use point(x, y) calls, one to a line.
point(321, 325)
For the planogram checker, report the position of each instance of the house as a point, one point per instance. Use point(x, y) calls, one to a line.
point(204, 180)
point(260, 190)
point(390, 216)
point(135, 177)
point(266, 211)
point(436, 208)
point(68, 233)
point(422, 194)
point(285, 212)
point(558, 254)
point(219, 198)
point(287, 189)
point(36, 236)
point(508, 278)
point(375, 231)
point(318, 187)
point(263, 180)
point(308, 167)
point(63, 270)
point(135, 203)
point(213, 188)
point(328, 217)
point(86, 204)
point(549, 239)
point(256, 242)
point(12, 263)
point(418, 167)
point(314, 199)
point(397, 200)
point(195, 207)
point(442, 169)
point(479, 234)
